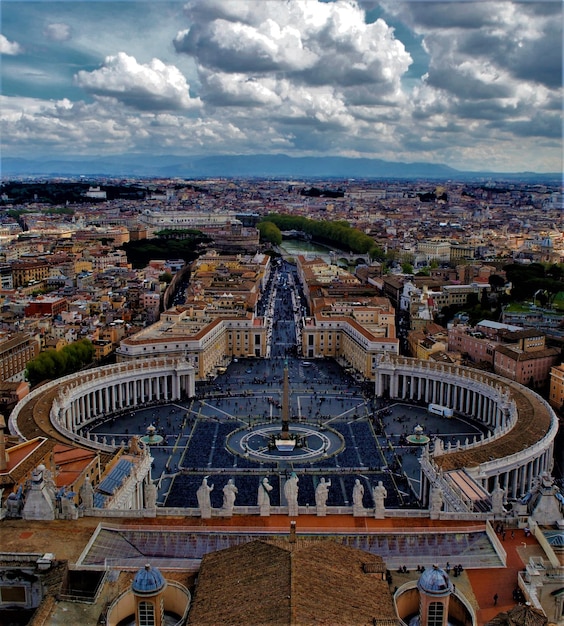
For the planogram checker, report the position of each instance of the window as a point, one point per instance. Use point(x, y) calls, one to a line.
point(435, 615)
point(146, 614)
point(12, 595)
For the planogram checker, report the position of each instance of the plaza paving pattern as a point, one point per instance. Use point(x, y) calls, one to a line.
point(248, 395)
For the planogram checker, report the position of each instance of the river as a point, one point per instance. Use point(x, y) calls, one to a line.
point(294, 247)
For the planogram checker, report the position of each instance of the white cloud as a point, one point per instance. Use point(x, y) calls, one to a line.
point(302, 76)
point(11, 48)
point(57, 31)
point(313, 43)
point(239, 90)
point(149, 87)
point(494, 67)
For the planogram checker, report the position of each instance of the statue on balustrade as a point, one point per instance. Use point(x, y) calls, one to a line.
point(150, 490)
point(358, 495)
point(291, 494)
point(379, 494)
point(498, 496)
point(321, 495)
point(263, 497)
point(230, 492)
point(204, 500)
point(87, 494)
point(135, 445)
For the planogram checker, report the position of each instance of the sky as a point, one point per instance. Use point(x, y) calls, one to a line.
point(474, 85)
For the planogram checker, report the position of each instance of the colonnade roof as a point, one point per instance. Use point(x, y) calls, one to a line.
point(33, 418)
point(533, 423)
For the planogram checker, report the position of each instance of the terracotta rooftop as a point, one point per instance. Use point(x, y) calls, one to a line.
point(278, 582)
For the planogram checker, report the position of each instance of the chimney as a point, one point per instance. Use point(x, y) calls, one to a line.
point(292, 538)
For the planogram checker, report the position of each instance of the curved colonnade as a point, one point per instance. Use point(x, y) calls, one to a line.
point(522, 425)
point(518, 448)
point(62, 408)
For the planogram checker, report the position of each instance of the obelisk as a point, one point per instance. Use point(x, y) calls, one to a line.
point(285, 442)
point(285, 431)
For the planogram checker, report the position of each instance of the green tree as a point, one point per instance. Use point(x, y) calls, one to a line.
point(496, 282)
point(270, 233)
point(52, 364)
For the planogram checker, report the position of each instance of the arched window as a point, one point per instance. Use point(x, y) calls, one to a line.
point(146, 614)
point(435, 614)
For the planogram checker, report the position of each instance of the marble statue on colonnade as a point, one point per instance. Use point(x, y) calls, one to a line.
point(379, 494)
point(498, 496)
point(263, 497)
point(150, 490)
point(87, 494)
point(204, 501)
point(321, 495)
point(291, 494)
point(358, 495)
point(230, 492)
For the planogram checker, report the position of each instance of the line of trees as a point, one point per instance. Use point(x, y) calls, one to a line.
point(172, 245)
point(336, 233)
point(535, 280)
point(52, 364)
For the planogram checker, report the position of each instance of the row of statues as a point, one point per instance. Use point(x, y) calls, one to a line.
point(290, 491)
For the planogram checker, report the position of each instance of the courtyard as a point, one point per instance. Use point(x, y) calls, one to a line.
point(350, 435)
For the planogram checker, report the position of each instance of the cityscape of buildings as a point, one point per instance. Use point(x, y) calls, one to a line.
point(432, 322)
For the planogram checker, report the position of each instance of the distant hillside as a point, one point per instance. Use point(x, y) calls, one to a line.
point(246, 166)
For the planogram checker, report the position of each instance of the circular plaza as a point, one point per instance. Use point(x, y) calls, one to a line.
point(353, 431)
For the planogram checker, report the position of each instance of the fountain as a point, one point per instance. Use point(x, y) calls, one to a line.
point(151, 438)
point(418, 438)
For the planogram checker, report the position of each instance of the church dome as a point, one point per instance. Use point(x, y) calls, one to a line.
point(434, 581)
point(148, 581)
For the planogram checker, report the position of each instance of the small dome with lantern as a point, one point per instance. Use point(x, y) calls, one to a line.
point(435, 582)
point(148, 581)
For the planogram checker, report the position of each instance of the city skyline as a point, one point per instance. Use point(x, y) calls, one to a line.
point(475, 85)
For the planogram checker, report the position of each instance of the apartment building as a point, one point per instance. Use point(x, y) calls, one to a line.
point(428, 340)
point(345, 323)
point(16, 351)
point(434, 250)
point(218, 321)
point(525, 358)
point(24, 272)
point(46, 305)
point(513, 352)
point(556, 394)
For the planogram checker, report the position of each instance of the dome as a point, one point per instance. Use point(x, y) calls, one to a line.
point(147, 581)
point(435, 581)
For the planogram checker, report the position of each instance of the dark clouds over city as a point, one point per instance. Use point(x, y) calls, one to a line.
point(474, 85)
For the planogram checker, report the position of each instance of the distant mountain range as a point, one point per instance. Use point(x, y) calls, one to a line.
point(248, 166)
